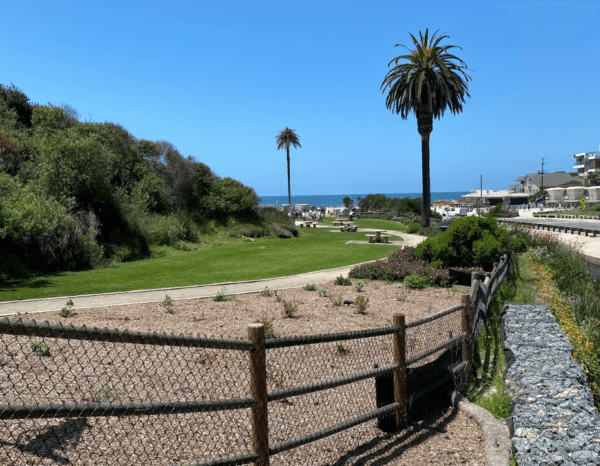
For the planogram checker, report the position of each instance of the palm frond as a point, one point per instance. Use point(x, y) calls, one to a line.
point(429, 78)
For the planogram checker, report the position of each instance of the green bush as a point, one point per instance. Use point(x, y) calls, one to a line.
point(37, 233)
point(343, 281)
point(469, 241)
point(415, 281)
point(413, 227)
point(398, 265)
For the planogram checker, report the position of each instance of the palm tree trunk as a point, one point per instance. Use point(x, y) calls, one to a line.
point(426, 203)
point(425, 127)
point(289, 189)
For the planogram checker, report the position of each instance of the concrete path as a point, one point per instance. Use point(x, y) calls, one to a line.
point(186, 292)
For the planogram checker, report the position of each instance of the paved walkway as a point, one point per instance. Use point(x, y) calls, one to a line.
point(187, 292)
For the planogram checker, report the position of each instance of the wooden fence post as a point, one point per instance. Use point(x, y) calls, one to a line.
point(258, 391)
point(466, 327)
point(399, 343)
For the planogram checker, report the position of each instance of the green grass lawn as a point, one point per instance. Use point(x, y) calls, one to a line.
point(315, 249)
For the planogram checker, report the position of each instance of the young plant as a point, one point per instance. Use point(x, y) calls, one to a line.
point(222, 296)
point(322, 292)
point(106, 393)
point(266, 293)
point(343, 281)
point(39, 347)
point(400, 298)
point(289, 309)
point(277, 297)
point(358, 286)
point(167, 303)
point(309, 287)
point(361, 304)
point(269, 330)
point(339, 349)
point(67, 311)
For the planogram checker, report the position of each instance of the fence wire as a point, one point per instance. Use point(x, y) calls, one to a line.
point(82, 396)
point(46, 374)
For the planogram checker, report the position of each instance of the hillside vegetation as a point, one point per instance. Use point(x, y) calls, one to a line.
point(77, 195)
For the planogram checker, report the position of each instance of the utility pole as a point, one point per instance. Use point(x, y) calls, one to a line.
point(542, 176)
point(480, 190)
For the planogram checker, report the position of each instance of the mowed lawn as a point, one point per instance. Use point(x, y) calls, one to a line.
point(315, 249)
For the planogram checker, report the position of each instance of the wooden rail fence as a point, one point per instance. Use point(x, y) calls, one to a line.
point(474, 308)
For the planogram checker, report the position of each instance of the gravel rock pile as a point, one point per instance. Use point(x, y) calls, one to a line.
point(554, 421)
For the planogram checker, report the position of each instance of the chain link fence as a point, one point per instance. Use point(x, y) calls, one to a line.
point(73, 395)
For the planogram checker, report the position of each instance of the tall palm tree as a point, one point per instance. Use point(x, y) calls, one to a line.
point(428, 84)
point(287, 138)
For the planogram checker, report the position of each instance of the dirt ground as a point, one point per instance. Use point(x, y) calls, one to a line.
point(78, 372)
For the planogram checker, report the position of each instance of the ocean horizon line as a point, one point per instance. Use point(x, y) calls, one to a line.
point(336, 200)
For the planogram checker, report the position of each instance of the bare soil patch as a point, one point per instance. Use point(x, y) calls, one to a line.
point(79, 371)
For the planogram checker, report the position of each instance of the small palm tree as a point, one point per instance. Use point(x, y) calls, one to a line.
point(287, 138)
point(593, 179)
point(427, 85)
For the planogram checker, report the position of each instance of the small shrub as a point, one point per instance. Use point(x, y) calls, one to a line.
point(415, 281)
point(106, 393)
point(340, 349)
point(167, 303)
point(289, 309)
point(266, 293)
point(413, 227)
point(358, 286)
point(322, 292)
point(361, 304)
point(277, 297)
point(221, 296)
point(400, 298)
point(309, 287)
point(67, 311)
point(269, 330)
point(41, 348)
point(343, 281)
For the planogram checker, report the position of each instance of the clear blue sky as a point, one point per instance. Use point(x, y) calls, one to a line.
point(219, 80)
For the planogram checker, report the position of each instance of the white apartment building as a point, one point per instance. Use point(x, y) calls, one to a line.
point(587, 163)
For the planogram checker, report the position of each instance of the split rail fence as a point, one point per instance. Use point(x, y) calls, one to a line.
point(277, 395)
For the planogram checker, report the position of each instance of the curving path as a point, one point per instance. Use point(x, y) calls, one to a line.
point(187, 292)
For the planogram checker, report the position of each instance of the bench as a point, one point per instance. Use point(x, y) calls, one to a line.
point(386, 238)
point(371, 238)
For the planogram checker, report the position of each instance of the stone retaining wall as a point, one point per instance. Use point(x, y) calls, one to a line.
point(554, 421)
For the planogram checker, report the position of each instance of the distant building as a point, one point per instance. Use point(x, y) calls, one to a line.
point(587, 163)
point(491, 198)
point(531, 184)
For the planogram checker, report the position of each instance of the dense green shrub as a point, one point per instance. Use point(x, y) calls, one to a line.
point(469, 241)
point(398, 265)
point(413, 227)
point(38, 233)
point(415, 281)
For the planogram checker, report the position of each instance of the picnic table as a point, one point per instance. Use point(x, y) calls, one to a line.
point(377, 237)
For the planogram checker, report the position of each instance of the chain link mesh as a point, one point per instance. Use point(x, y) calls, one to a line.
point(82, 397)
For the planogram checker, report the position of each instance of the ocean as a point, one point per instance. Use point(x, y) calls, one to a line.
point(335, 200)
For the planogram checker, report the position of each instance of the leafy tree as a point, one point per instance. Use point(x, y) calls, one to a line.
point(427, 85)
point(16, 100)
point(287, 138)
point(11, 157)
point(348, 202)
point(594, 179)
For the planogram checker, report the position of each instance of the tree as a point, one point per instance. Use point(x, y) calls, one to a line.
point(594, 179)
point(287, 138)
point(348, 202)
point(428, 84)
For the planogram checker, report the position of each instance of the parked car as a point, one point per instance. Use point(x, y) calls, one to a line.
point(452, 212)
